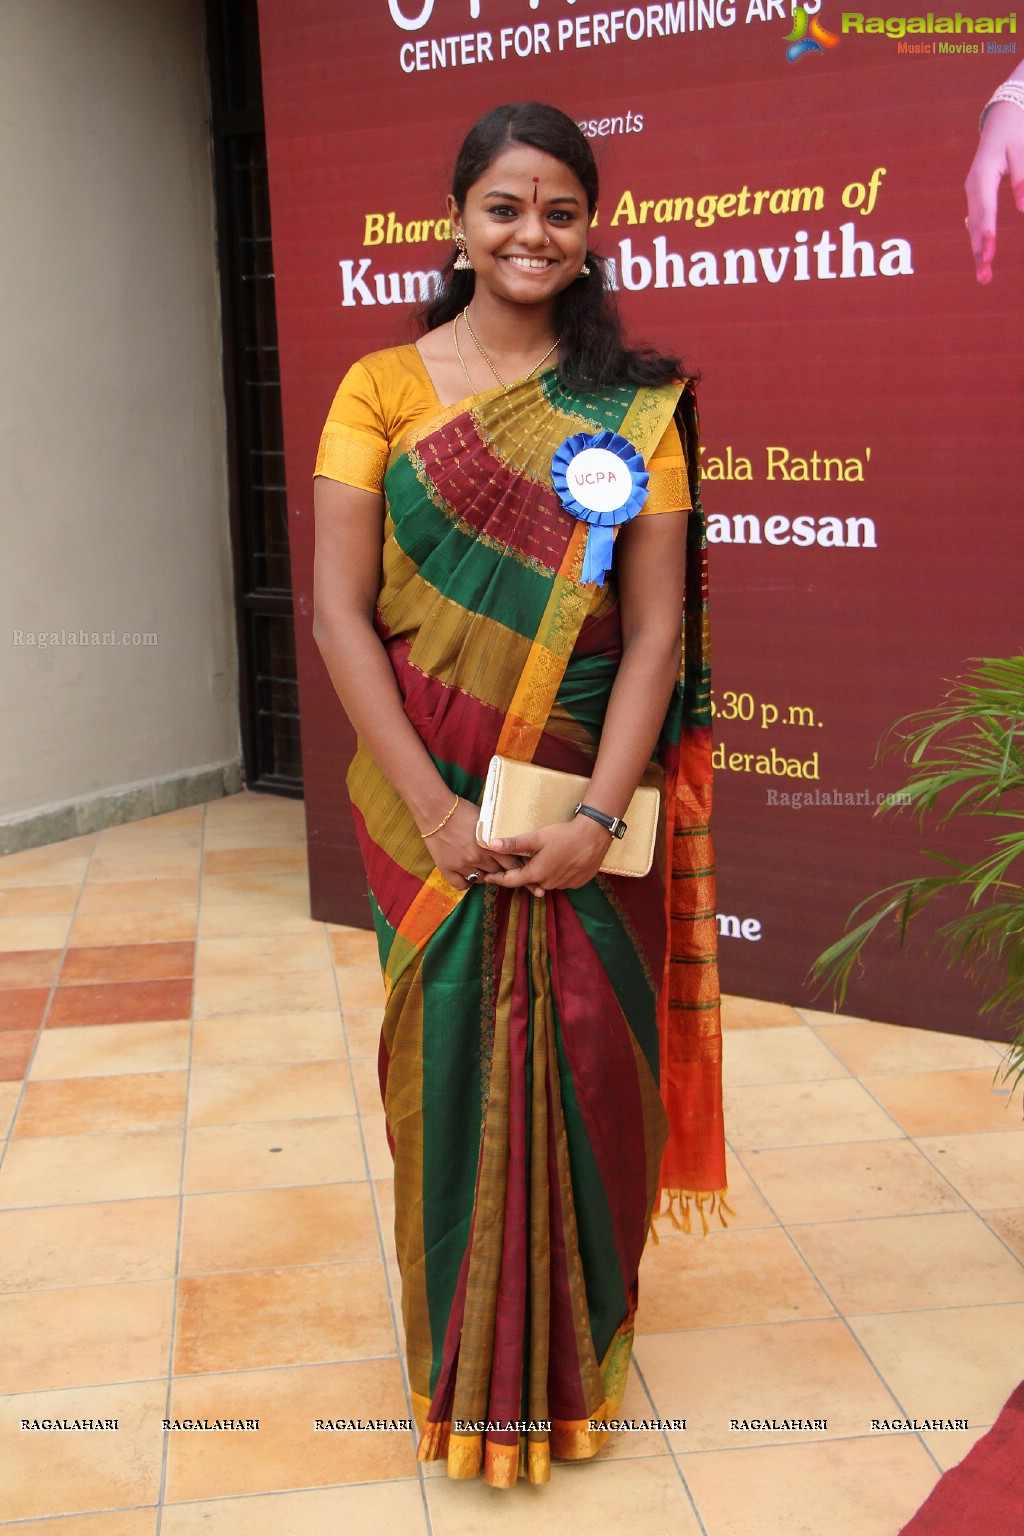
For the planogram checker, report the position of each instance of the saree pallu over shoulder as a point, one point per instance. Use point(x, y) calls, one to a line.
point(547, 1067)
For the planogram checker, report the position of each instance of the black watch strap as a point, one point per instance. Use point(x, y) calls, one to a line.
point(613, 824)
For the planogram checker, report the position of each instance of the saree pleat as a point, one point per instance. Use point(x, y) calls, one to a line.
point(525, 1042)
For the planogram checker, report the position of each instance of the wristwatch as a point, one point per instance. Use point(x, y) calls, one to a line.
point(613, 824)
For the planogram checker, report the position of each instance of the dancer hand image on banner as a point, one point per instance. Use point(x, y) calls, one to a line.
point(1000, 154)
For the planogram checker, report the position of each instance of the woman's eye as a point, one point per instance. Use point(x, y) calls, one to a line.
point(503, 211)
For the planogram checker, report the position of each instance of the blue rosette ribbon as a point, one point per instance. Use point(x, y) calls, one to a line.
point(599, 491)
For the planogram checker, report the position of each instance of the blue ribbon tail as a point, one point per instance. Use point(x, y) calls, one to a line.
point(598, 555)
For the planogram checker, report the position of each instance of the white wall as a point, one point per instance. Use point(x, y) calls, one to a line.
point(113, 480)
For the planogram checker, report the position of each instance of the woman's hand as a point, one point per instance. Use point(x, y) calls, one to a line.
point(559, 857)
point(1000, 153)
point(456, 852)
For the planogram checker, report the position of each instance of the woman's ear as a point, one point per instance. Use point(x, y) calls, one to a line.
point(454, 214)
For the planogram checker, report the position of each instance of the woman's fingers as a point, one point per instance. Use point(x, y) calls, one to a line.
point(1015, 169)
point(511, 878)
point(523, 845)
point(982, 198)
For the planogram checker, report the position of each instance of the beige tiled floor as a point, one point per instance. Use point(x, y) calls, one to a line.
point(195, 1212)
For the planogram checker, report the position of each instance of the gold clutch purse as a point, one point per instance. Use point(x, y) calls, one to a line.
point(521, 797)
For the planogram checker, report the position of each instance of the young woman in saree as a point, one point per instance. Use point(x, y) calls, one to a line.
point(550, 1058)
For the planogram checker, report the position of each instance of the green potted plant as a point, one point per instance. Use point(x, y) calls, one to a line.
point(967, 759)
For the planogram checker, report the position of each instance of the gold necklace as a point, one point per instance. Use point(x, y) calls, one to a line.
point(505, 386)
point(458, 352)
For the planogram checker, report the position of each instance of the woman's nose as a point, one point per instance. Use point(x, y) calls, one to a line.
point(533, 231)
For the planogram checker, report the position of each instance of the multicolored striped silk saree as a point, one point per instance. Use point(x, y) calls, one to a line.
point(548, 1066)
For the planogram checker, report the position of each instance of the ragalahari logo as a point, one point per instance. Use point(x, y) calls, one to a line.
point(807, 36)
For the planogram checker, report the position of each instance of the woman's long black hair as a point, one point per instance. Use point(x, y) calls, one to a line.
point(594, 350)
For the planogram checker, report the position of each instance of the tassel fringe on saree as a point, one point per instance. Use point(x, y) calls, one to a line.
point(550, 1069)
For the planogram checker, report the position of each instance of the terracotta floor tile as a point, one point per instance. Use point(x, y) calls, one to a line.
point(227, 890)
point(142, 895)
point(16, 1047)
point(115, 866)
point(268, 1037)
point(249, 956)
point(779, 1055)
point(987, 1169)
point(68, 1170)
point(726, 1278)
point(9, 1095)
point(644, 1494)
point(149, 836)
point(34, 932)
point(805, 1371)
point(277, 1317)
point(28, 968)
point(361, 986)
point(278, 1228)
point(86, 1336)
point(1009, 1225)
point(818, 1016)
point(254, 829)
point(901, 1263)
point(295, 1090)
point(944, 1103)
point(951, 1446)
point(265, 992)
point(127, 962)
point(366, 1507)
point(952, 1363)
point(871, 1049)
point(266, 859)
point(362, 1030)
point(353, 946)
point(273, 1153)
point(120, 1002)
point(804, 1114)
point(286, 1451)
point(252, 832)
point(384, 1197)
point(50, 865)
point(170, 926)
point(112, 1522)
point(251, 919)
point(849, 1180)
point(144, 1101)
point(367, 1085)
point(378, 1153)
point(100, 1244)
point(22, 1008)
point(749, 1013)
point(867, 1487)
point(106, 1049)
point(38, 900)
point(94, 1470)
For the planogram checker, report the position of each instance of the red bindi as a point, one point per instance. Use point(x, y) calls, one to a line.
point(535, 181)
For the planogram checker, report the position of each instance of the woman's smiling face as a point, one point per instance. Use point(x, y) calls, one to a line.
point(525, 221)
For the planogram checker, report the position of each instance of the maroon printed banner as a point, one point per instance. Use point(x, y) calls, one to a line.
point(783, 205)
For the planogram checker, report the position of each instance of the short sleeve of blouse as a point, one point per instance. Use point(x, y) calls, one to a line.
point(354, 444)
point(668, 488)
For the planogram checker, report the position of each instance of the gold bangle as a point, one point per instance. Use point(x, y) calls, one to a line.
point(444, 819)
